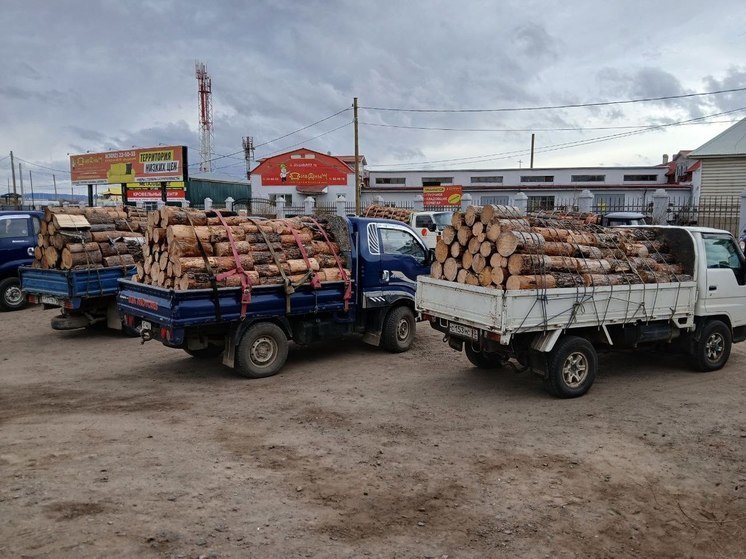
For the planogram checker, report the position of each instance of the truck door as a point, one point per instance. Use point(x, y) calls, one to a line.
point(726, 278)
point(403, 258)
point(17, 240)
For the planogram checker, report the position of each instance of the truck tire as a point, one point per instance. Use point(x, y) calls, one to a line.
point(11, 296)
point(572, 367)
point(208, 352)
point(713, 348)
point(262, 351)
point(398, 330)
point(484, 360)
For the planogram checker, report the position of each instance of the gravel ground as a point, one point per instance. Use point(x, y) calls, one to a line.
point(109, 448)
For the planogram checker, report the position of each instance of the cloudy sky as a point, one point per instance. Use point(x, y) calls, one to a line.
point(92, 75)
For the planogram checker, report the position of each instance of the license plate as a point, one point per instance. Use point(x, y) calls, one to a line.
point(463, 331)
point(145, 325)
point(49, 300)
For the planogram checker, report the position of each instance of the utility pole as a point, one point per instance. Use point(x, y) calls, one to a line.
point(13, 172)
point(248, 153)
point(533, 136)
point(357, 162)
point(31, 184)
point(20, 175)
point(54, 180)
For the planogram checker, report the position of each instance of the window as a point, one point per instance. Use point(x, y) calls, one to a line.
point(721, 252)
point(390, 180)
point(14, 227)
point(587, 178)
point(640, 178)
point(423, 221)
point(537, 178)
point(496, 200)
point(37, 225)
point(537, 203)
point(436, 181)
point(288, 198)
point(609, 202)
point(396, 241)
point(477, 180)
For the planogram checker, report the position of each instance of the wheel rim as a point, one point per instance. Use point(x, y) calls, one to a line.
point(402, 330)
point(715, 346)
point(13, 295)
point(263, 351)
point(575, 369)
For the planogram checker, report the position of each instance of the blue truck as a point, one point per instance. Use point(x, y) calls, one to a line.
point(18, 230)
point(86, 297)
point(384, 257)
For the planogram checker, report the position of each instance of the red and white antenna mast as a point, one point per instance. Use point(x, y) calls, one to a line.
point(205, 117)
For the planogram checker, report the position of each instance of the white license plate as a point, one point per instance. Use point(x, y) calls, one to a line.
point(49, 300)
point(463, 331)
point(145, 325)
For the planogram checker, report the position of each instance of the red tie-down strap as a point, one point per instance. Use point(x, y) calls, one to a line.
point(315, 281)
point(245, 279)
point(342, 272)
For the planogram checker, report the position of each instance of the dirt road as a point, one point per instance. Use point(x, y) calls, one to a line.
point(113, 449)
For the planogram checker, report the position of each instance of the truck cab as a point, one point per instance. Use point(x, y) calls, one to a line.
point(18, 230)
point(429, 225)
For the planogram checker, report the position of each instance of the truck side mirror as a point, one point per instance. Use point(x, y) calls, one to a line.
point(432, 227)
point(429, 256)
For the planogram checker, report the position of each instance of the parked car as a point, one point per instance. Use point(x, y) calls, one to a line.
point(616, 219)
point(18, 230)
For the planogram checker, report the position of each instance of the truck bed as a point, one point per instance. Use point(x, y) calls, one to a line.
point(54, 286)
point(510, 312)
point(179, 309)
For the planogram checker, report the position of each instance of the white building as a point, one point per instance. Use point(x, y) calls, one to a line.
point(612, 187)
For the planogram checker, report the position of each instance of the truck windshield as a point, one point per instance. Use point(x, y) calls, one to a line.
point(442, 218)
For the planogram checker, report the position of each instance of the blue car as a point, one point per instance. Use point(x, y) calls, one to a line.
point(18, 230)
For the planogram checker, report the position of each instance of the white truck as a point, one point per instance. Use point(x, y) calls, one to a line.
point(556, 332)
point(429, 225)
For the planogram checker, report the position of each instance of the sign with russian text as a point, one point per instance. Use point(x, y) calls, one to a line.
point(143, 165)
point(447, 195)
point(303, 168)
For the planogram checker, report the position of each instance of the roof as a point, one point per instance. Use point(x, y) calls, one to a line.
point(212, 177)
point(311, 188)
point(730, 142)
point(694, 167)
point(350, 159)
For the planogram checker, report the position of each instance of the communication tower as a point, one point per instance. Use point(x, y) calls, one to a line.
point(204, 88)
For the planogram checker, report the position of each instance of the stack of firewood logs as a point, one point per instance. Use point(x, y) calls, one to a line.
point(494, 246)
point(75, 238)
point(189, 249)
point(386, 212)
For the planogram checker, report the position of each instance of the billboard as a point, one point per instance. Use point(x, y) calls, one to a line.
point(142, 165)
point(447, 195)
point(303, 168)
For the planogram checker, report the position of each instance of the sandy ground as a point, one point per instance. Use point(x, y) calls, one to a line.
point(109, 448)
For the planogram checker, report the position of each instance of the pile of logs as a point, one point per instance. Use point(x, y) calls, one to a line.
point(493, 246)
point(186, 249)
point(73, 238)
point(386, 212)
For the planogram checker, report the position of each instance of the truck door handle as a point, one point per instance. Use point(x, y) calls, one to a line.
point(713, 288)
point(386, 275)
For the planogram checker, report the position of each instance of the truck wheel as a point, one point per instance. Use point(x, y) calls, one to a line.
point(713, 348)
point(484, 360)
point(11, 296)
point(398, 330)
point(572, 367)
point(262, 351)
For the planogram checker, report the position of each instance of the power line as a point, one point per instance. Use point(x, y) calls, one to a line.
point(292, 146)
point(283, 136)
point(551, 107)
point(568, 129)
point(43, 166)
point(554, 147)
